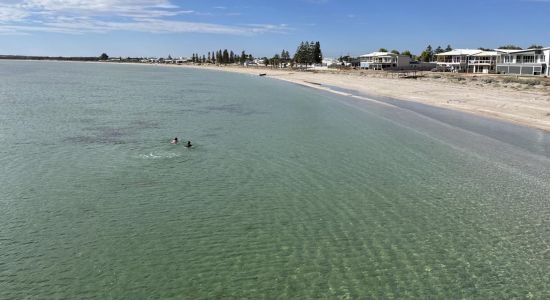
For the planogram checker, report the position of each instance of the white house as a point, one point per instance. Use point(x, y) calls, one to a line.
point(383, 60)
point(483, 62)
point(259, 61)
point(330, 62)
point(250, 63)
point(503, 61)
point(524, 62)
point(456, 60)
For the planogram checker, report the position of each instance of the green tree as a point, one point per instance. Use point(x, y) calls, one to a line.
point(308, 53)
point(104, 56)
point(299, 54)
point(439, 50)
point(427, 55)
point(382, 50)
point(231, 57)
point(449, 48)
point(317, 53)
point(395, 52)
point(407, 53)
point(225, 56)
point(534, 46)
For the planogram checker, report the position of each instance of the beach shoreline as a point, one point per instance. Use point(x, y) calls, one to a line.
point(487, 96)
point(514, 103)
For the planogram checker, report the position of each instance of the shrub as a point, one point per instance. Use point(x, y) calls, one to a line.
point(532, 82)
point(509, 80)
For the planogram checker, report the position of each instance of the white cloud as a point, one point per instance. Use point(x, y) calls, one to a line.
point(101, 16)
point(97, 5)
point(10, 13)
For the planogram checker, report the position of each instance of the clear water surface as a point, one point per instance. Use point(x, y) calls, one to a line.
point(288, 193)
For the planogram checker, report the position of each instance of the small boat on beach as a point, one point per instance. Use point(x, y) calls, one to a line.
point(262, 74)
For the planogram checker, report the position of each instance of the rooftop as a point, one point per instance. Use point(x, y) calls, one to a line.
point(508, 51)
point(457, 52)
point(486, 53)
point(377, 54)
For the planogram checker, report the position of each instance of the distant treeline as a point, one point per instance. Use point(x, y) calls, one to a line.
point(222, 57)
point(62, 58)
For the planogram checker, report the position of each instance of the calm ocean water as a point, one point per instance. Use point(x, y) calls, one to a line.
point(289, 193)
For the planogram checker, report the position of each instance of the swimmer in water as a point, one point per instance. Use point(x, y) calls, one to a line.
point(188, 144)
point(174, 141)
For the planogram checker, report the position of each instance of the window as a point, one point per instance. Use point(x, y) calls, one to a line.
point(528, 59)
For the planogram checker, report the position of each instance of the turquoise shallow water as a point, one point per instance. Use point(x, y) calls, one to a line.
point(288, 192)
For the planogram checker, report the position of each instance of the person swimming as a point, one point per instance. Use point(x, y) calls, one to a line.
point(174, 141)
point(188, 144)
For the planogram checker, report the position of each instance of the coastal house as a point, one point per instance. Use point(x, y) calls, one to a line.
point(259, 61)
point(384, 60)
point(456, 60)
point(483, 62)
point(329, 62)
point(179, 61)
point(524, 62)
point(250, 63)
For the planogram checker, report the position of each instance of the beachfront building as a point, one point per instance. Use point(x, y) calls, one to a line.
point(329, 62)
point(524, 62)
point(259, 61)
point(483, 62)
point(384, 60)
point(456, 60)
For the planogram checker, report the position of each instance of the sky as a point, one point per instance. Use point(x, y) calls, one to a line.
point(160, 28)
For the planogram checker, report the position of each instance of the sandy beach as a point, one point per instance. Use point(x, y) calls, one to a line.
point(490, 96)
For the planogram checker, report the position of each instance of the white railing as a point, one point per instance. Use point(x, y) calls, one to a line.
point(481, 61)
point(379, 61)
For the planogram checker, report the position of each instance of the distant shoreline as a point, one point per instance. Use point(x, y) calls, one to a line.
point(521, 101)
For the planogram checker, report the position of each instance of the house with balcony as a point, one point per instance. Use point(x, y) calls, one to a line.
point(456, 60)
point(534, 62)
point(384, 60)
point(483, 62)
